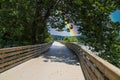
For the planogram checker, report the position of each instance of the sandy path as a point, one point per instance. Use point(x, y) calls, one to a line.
point(57, 64)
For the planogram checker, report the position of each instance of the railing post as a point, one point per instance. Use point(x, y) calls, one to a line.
point(10, 57)
point(93, 66)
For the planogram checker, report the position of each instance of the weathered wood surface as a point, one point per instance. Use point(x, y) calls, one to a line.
point(93, 66)
point(10, 57)
point(58, 63)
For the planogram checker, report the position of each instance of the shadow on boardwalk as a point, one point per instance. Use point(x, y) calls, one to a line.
point(57, 64)
point(59, 53)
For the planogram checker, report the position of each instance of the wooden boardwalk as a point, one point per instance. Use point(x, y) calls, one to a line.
point(59, 63)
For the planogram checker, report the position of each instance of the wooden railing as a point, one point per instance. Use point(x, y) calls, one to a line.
point(94, 67)
point(10, 57)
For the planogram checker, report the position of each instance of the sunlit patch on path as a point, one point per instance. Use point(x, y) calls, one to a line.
point(59, 63)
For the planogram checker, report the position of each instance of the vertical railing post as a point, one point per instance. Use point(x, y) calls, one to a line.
point(94, 67)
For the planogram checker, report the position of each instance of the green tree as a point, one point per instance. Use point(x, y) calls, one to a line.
point(66, 39)
point(25, 22)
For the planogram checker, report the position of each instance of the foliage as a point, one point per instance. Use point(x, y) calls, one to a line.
point(95, 25)
point(101, 33)
point(48, 38)
point(25, 22)
point(66, 39)
point(70, 39)
point(18, 25)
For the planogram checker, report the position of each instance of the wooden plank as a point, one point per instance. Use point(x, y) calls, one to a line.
point(16, 56)
point(84, 68)
point(18, 52)
point(112, 72)
point(4, 50)
point(95, 59)
point(10, 54)
point(92, 75)
point(15, 64)
point(22, 55)
point(85, 71)
point(13, 61)
point(95, 70)
point(109, 70)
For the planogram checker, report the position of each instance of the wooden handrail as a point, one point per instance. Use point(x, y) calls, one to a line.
point(10, 57)
point(94, 67)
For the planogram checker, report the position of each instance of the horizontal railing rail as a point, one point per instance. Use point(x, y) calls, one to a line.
point(94, 67)
point(10, 57)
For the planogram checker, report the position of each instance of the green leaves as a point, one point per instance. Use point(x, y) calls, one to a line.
point(13, 21)
point(96, 26)
point(26, 21)
point(70, 39)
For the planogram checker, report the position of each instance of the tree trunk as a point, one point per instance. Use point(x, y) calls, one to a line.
point(40, 29)
point(35, 22)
